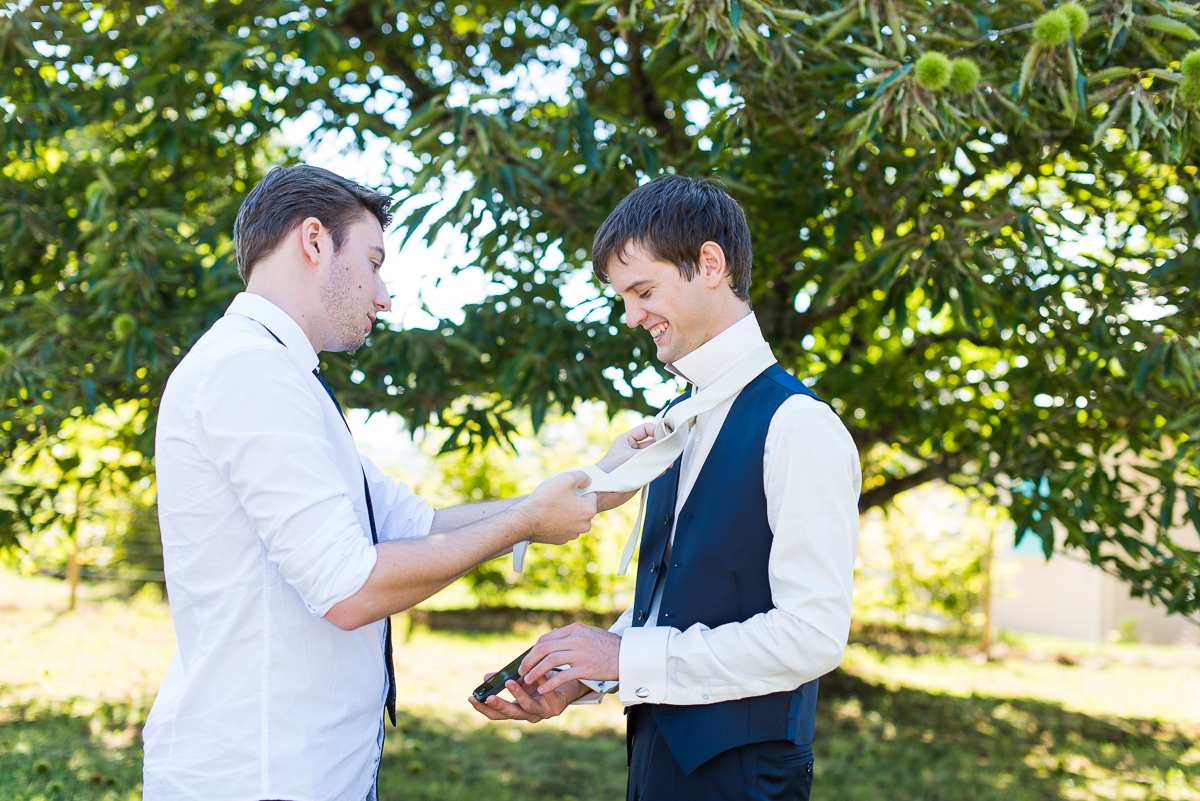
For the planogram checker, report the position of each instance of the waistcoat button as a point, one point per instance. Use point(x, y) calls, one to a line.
point(666, 520)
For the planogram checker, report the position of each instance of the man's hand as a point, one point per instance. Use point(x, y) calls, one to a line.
point(530, 704)
point(591, 653)
point(555, 513)
point(623, 447)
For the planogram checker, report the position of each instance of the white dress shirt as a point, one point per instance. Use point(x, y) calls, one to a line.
point(812, 479)
point(264, 527)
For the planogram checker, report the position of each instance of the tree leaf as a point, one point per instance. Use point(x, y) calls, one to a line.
point(1174, 27)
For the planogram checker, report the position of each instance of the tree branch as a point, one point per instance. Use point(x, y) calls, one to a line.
point(878, 496)
point(780, 322)
point(652, 107)
point(925, 340)
point(358, 22)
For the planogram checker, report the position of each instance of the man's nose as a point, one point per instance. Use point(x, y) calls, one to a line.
point(383, 300)
point(634, 314)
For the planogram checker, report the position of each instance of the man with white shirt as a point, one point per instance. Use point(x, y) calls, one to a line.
point(746, 568)
point(285, 550)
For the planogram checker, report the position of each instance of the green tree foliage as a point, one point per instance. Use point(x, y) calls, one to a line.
point(971, 219)
point(926, 555)
point(82, 505)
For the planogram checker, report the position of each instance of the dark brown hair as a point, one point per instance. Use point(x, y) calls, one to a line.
point(671, 217)
point(287, 196)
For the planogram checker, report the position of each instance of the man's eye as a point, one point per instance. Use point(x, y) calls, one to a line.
point(644, 295)
point(376, 266)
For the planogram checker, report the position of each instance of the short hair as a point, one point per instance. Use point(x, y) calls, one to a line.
point(286, 196)
point(671, 217)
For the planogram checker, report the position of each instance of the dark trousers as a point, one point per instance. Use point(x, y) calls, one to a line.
point(774, 771)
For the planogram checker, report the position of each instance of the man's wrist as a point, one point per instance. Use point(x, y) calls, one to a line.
point(518, 523)
point(608, 464)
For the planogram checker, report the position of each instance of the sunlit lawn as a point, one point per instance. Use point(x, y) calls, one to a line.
point(894, 724)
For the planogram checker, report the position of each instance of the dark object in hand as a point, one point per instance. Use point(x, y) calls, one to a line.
point(496, 683)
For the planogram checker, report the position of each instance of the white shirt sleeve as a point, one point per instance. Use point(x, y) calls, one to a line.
point(623, 622)
point(812, 479)
point(265, 432)
point(399, 514)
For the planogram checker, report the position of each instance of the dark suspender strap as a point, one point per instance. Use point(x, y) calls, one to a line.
point(387, 624)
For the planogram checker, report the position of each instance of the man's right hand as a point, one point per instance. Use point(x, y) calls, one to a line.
point(556, 515)
point(530, 706)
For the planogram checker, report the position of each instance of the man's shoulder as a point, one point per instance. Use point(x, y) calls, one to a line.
point(805, 418)
point(230, 334)
point(231, 339)
point(791, 385)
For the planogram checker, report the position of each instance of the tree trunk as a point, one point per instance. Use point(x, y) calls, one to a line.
point(985, 642)
point(73, 565)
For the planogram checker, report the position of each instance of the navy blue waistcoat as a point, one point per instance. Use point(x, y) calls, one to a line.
point(718, 574)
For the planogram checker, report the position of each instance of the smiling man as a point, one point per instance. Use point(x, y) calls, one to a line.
point(746, 568)
point(285, 550)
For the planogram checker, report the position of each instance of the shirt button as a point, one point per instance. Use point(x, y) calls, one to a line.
point(642, 692)
point(706, 696)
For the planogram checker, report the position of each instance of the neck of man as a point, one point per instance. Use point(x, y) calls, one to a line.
point(726, 315)
point(289, 289)
point(730, 314)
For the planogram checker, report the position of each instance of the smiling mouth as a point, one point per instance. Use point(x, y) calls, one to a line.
point(658, 330)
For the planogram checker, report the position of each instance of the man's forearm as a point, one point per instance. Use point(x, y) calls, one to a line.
point(463, 516)
point(458, 517)
point(409, 571)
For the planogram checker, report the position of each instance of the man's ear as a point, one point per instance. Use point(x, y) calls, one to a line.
point(712, 267)
point(314, 241)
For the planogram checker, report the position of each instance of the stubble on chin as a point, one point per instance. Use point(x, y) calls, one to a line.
point(338, 300)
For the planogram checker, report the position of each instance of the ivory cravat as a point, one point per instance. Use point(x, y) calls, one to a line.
point(670, 436)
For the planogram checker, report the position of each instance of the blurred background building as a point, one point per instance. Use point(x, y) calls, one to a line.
point(1069, 597)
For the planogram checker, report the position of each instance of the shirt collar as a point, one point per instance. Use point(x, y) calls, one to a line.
point(712, 359)
point(279, 323)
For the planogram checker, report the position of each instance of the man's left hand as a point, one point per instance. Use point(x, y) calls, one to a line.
point(528, 704)
point(591, 653)
point(622, 449)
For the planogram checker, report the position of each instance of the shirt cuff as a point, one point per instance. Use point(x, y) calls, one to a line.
point(642, 665)
point(592, 697)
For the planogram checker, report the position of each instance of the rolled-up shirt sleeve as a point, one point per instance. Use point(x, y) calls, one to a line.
point(399, 514)
point(265, 432)
point(812, 480)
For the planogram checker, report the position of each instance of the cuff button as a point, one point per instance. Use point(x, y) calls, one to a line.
point(642, 692)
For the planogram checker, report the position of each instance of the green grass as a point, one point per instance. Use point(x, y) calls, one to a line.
point(76, 750)
point(909, 717)
point(902, 743)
